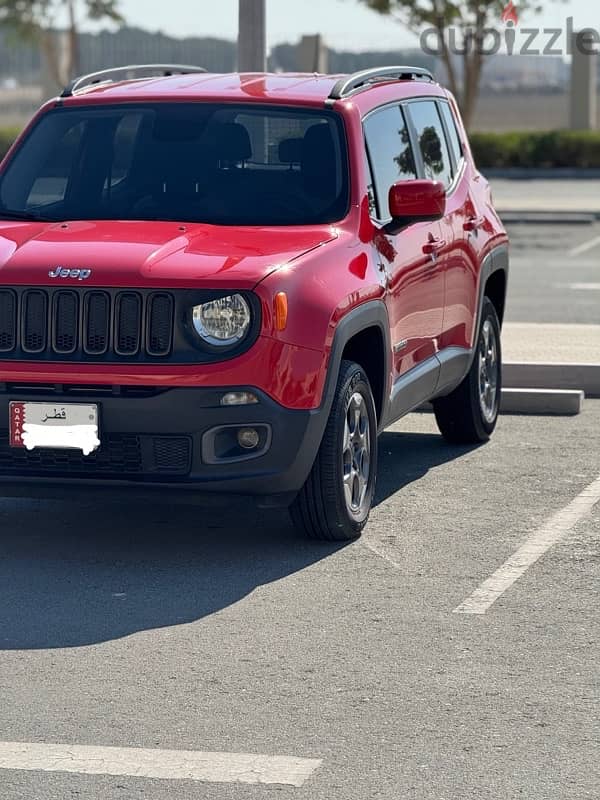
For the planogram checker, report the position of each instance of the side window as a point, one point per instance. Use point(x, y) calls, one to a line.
point(452, 132)
point(370, 189)
point(390, 153)
point(432, 141)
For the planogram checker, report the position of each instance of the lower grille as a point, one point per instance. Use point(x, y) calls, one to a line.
point(120, 456)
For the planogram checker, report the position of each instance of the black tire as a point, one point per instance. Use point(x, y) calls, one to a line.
point(464, 417)
point(321, 509)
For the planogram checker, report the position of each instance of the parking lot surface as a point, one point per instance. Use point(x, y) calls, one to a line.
point(215, 629)
point(554, 274)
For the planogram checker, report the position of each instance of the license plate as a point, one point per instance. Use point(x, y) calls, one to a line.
point(70, 426)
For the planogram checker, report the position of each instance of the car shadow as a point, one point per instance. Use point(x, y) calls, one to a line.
point(406, 457)
point(79, 573)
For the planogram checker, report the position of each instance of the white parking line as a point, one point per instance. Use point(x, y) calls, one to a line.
point(160, 764)
point(583, 248)
point(580, 287)
point(534, 548)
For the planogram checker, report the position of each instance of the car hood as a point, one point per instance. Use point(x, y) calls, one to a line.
point(152, 254)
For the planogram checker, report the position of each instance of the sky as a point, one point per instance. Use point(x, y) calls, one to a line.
point(345, 24)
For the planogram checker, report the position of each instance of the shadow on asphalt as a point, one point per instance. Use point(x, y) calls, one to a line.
point(406, 457)
point(76, 574)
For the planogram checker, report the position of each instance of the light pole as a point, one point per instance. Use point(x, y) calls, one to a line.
point(252, 36)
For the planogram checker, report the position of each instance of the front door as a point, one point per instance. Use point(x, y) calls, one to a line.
point(411, 258)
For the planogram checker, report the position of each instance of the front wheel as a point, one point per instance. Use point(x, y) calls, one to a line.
point(469, 415)
point(335, 502)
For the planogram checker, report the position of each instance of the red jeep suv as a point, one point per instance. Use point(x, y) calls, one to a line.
point(234, 283)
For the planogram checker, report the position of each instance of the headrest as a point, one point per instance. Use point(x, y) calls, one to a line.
point(233, 142)
point(290, 151)
point(318, 159)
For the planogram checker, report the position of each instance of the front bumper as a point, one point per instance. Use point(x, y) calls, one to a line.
point(165, 438)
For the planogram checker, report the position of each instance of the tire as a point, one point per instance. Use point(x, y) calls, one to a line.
point(335, 502)
point(469, 415)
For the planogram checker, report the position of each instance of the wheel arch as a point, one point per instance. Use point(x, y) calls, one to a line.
point(363, 335)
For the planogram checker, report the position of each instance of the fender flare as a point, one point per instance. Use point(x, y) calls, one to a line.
point(495, 261)
point(372, 314)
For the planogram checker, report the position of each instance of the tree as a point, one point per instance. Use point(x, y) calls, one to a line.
point(41, 21)
point(467, 29)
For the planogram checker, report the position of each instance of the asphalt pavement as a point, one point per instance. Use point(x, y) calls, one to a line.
point(212, 641)
point(218, 630)
point(554, 274)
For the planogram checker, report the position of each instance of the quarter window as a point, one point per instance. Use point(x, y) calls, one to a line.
point(390, 153)
point(452, 132)
point(432, 141)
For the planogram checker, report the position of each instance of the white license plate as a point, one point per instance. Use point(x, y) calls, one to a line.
point(66, 426)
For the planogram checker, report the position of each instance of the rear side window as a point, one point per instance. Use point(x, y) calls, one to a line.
point(455, 144)
point(390, 153)
point(432, 141)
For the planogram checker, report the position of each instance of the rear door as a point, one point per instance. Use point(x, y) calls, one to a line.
point(464, 223)
point(415, 293)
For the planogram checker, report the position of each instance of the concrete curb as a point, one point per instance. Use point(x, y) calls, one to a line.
point(548, 217)
point(537, 375)
point(540, 402)
point(542, 173)
point(551, 402)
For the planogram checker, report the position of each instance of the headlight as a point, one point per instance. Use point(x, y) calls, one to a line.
point(223, 322)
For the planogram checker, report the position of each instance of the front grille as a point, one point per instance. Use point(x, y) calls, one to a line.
point(8, 321)
point(96, 332)
point(121, 456)
point(129, 316)
point(65, 324)
point(171, 454)
point(34, 313)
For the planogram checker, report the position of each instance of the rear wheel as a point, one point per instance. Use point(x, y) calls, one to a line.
point(335, 501)
point(469, 415)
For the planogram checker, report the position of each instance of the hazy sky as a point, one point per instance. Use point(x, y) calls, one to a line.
point(346, 24)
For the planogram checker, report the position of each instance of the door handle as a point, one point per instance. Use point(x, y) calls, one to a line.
point(433, 246)
point(474, 223)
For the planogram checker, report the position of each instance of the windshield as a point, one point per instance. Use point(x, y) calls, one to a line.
point(220, 164)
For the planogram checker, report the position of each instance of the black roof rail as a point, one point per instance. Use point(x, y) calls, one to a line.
point(359, 80)
point(128, 73)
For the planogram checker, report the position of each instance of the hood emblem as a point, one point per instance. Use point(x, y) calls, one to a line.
point(75, 274)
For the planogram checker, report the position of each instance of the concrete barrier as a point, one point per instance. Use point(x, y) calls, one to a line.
point(536, 375)
point(552, 402)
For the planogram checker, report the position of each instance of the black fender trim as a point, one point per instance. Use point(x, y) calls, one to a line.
point(456, 362)
point(496, 261)
point(372, 314)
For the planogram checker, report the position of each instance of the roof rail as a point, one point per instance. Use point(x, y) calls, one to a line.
point(359, 80)
point(128, 73)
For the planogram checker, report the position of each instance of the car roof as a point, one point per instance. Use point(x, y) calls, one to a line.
point(301, 88)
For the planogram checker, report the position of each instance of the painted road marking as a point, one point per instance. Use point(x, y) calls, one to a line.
point(161, 764)
point(583, 248)
point(534, 548)
point(581, 287)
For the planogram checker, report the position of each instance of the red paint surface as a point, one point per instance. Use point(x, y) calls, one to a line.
point(325, 271)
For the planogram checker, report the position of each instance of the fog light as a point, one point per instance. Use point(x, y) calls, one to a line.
point(239, 399)
point(248, 438)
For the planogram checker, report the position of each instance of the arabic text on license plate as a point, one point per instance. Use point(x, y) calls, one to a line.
point(70, 426)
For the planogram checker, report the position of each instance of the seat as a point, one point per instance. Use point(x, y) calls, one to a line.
point(318, 166)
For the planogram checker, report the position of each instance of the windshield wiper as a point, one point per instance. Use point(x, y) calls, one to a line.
point(23, 216)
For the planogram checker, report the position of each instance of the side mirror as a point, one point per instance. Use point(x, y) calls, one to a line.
point(417, 201)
